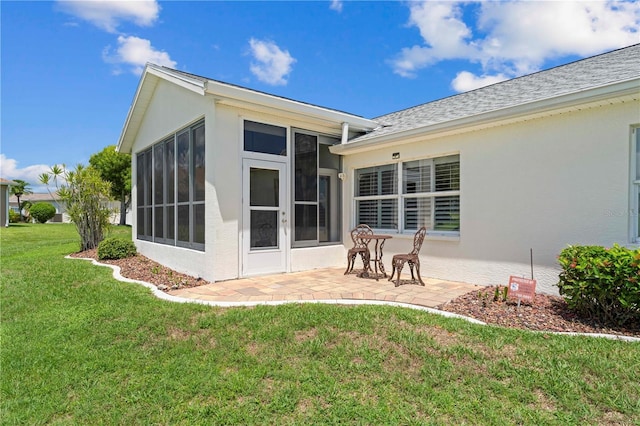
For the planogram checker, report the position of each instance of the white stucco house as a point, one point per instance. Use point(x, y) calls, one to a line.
point(231, 182)
point(5, 186)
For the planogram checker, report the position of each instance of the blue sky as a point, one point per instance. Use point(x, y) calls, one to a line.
point(69, 69)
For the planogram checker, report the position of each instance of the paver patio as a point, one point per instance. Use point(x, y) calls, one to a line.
point(327, 284)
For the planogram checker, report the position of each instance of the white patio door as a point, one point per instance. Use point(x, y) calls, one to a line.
point(265, 217)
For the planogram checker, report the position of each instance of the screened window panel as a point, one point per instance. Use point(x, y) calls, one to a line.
point(198, 223)
point(140, 221)
point(140, 163)
point(416, 177)
point(169, 170)
point(183, 167)
point(447, 173)
point(447, 213)
point(170, 215)
point(148, 216)
point(148, 173)
point(198, 163)
point(306, 167)
point(158, 221)
point(183, 223)
point(417, 213)
point(381, 214)
point(326, 159)
point(306, 216)
point(158, 174)
point(264, 138)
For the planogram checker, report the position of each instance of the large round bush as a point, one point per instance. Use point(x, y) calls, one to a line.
point(42, 212)
point(116, 248)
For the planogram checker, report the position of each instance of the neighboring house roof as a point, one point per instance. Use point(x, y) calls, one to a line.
point(229, 94)
point(6, 182)
point(34, 198)
point(612, 74)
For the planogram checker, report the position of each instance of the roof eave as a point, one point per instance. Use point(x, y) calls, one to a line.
point(616, 92)
point(245, 98)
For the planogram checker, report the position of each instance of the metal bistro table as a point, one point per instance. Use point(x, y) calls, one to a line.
point(377, 254)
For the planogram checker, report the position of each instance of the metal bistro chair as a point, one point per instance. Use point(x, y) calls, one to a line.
point(412, 258)
point(360, 246)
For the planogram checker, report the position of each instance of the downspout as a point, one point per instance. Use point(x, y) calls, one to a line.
point(345, 133)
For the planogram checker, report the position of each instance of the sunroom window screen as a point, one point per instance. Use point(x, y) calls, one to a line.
point(170, 180)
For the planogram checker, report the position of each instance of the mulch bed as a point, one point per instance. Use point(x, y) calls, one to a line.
point(546, 313)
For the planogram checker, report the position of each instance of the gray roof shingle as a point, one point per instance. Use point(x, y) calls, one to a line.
point(616, 66)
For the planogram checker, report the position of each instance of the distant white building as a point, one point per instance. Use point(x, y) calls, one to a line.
point(61, 210)
point(230, 182)
point(5, 186)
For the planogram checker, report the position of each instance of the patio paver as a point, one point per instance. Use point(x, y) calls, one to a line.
point(326, 284)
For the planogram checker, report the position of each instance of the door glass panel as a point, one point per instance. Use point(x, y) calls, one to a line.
point(264, 187)
point(264, 229)
point(306, 222)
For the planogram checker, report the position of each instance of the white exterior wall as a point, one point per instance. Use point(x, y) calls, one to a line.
point(171, 109)
point(541, 184)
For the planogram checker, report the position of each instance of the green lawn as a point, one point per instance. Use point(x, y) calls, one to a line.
point(78, 347)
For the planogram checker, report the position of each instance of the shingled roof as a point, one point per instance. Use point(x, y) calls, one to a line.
point(597, 71)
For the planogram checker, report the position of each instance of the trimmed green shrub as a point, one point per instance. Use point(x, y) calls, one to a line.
point(14, 217)
point(42, 212)
point(116, 248)
point(601, 283)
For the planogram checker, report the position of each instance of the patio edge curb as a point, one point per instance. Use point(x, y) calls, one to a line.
point(165, 296)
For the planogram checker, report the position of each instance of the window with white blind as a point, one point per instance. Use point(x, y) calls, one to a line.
point(409, 195)
point(376, 196)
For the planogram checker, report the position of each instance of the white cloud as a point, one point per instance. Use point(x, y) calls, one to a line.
point(135, 52)
point(516, 37)
point(9, 170)
point(108, 14)
point(466, 81)
point(336, 5)
point(272, 65)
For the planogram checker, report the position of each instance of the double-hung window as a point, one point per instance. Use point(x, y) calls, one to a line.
point(406, 196)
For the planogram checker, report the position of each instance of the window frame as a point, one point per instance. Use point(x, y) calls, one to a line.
point(401, 196)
